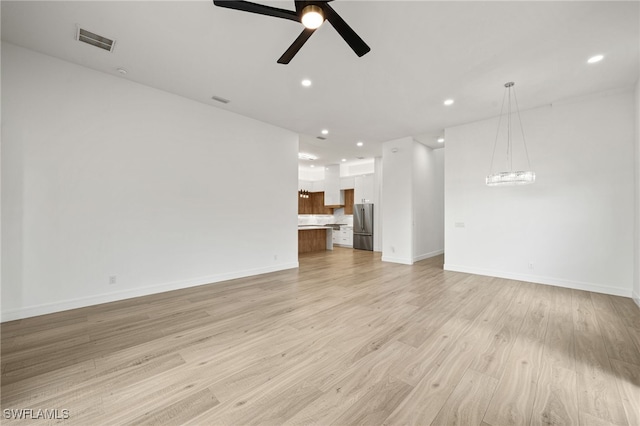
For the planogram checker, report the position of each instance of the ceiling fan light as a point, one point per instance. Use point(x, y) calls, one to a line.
point(312, 16)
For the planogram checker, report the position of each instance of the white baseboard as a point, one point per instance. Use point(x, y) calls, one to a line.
point(408, 261)
point(636, 298)
point(428, 255)
point(65, 305)
point(404, 261)
point(558, 282)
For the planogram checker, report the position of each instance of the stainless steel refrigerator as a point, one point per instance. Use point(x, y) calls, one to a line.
point(363, 226)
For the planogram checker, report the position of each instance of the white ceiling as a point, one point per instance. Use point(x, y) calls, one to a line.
point(422, 52)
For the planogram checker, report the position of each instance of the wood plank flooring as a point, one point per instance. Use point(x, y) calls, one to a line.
point(345, 339)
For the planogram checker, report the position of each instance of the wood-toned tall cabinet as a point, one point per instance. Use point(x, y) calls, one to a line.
point(348, 201)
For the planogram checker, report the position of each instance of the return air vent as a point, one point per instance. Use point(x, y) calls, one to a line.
point(219, 99)
point(95, 39)
point(322, 138)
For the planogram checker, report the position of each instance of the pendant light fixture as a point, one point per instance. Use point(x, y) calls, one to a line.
point(510, 177)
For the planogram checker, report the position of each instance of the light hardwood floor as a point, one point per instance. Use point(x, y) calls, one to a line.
point(345, 339)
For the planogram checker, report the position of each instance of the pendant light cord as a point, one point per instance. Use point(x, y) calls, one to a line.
point(509, 150)
point(510, 176)
point(524, 142)
point(495, 143)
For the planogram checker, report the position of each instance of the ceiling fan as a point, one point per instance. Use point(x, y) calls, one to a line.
point(311, 14)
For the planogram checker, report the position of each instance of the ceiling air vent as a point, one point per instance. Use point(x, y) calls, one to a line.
point(322, 138)
point(95, 40)
point(219, 99)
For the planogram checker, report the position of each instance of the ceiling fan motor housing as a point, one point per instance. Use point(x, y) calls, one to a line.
point(318, 10)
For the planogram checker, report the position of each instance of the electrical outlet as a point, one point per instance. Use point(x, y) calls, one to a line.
point(530, 265)
point(113, 279)
point(393, 249)
point(275, 257)
point(459, 224)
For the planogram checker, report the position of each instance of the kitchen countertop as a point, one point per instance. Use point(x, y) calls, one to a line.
point(334, 226)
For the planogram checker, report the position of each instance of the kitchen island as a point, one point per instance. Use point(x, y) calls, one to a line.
point(314, 238)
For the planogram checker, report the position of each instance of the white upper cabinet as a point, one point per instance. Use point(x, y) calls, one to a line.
point(311, 186)
point(347, 182)
point(363, 189)
point(305, 185)
point(318, 186)
point(332, 194)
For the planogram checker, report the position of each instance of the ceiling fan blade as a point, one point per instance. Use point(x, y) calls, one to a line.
point(353, 40)
point(261, 9)
point(295, 46)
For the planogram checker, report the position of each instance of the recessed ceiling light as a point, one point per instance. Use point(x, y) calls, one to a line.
point(440, 140)
point(448, 102)
point(306, 82)
point(344, 159)
point(359, 144)
point(594, 59)
point(304, 156)
point(324, 132)
point(312, 166)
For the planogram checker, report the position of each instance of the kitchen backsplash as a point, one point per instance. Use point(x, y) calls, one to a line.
point(321, 219)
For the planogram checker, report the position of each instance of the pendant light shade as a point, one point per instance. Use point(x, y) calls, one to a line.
point(510, 176)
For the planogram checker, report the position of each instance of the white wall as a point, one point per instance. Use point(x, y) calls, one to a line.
point(397, 193)
point(102, 176)
point(574, 224)
point(358, 168)
point(428, 202)
point(438, 198)
point(636, 280)
point(378, 202)
point(311, 174)
point(413, 209)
